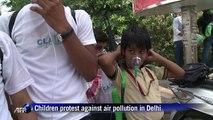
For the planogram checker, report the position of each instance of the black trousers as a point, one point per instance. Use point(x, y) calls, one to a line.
point(103, 116)
point(88, 117)
point(99, 116)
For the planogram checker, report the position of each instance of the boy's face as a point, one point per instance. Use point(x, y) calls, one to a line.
point(100, 46)
point(133, 51)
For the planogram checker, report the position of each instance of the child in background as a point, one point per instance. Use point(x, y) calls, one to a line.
point(100, 89)
point(141, 81)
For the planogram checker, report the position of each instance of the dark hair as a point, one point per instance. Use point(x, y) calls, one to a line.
point(205, 19)
point(136, 36)
point(207, 14)
point(100, 36)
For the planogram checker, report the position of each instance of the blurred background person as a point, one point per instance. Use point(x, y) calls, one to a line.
point(178, 38)
point(205, 28)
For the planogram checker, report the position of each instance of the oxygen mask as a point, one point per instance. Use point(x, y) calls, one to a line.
point(136, 63)
point(103, 51)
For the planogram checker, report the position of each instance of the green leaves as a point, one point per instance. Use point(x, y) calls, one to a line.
point(160, 29)
point(16, 4)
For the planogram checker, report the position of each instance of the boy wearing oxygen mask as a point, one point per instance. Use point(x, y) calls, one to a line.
point(137, 82)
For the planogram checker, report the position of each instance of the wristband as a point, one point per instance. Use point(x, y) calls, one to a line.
point(63, 36)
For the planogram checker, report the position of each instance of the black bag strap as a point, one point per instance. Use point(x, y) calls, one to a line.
point(12, 21)
point(73, 15)
point(1, 58)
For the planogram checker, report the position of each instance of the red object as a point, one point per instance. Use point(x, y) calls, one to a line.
point(92, 92)
point(141, 4)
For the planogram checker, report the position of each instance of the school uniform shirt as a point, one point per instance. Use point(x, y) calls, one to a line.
point(133, 95)
point(15, 75)
point(56, 79)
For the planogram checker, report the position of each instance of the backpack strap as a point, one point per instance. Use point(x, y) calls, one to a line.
point(1, 58)
point(12, 21)
point(117, 99)
point(73, 15)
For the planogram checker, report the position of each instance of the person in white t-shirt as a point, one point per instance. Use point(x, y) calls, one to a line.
point(14, 79)
point(58, 52)
point(178, 39)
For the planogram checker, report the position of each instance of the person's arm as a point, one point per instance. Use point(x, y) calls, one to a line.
point(82, 57)
point(10, 106)
point(19, 99)
point(173, 69)
point(107, 62)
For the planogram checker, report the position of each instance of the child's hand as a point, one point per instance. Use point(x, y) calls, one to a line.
point(152, 55)
point(53, 13)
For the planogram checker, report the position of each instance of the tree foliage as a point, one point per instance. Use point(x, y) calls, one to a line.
point(113, 16)
point(117, 13)
point(110, 15)
point(160, 28)
point(15, 4)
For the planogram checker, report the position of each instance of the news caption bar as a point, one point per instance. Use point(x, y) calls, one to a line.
point(49, 107)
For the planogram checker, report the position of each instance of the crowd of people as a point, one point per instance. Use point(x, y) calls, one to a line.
point(204, 24)
point(204, 36)
point(52, 56)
